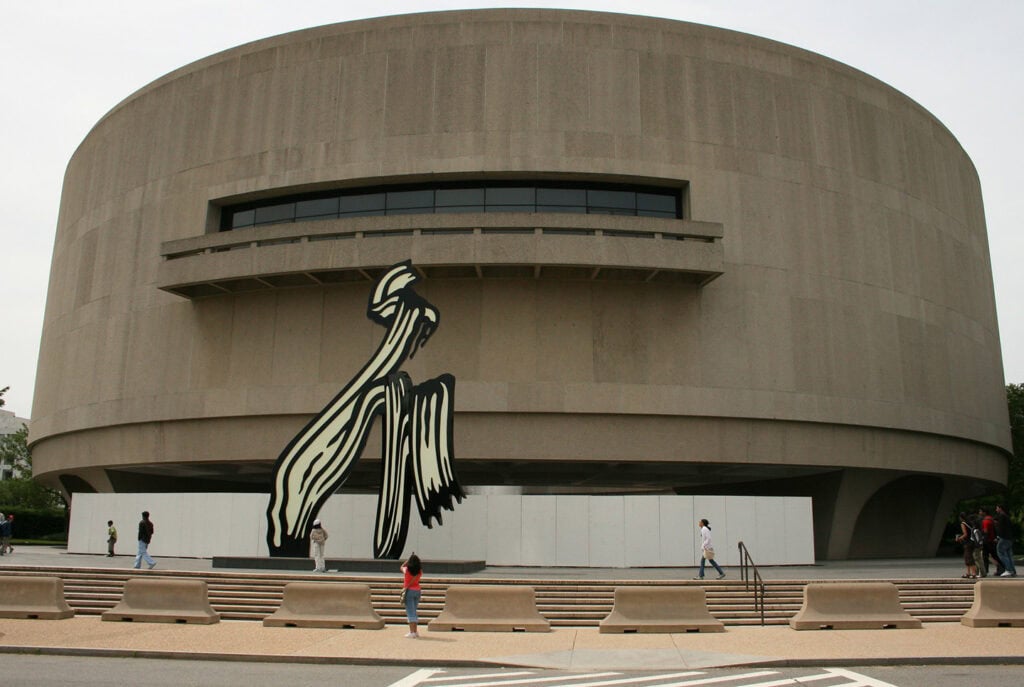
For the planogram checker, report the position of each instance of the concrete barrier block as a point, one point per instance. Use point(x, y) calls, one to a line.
point(164, 601)
point(660, 609)
point(852, 606)
point(490, 608)
point(325, 604)
point(33, 597)
point(997, 603)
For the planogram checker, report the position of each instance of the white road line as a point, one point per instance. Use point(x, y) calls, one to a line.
point(858, 679)
point(414, 679)
point(667, 676)
point(453, 678)
point(537, 681)
point(795, 680)
point(631, 680)
point(437, 679)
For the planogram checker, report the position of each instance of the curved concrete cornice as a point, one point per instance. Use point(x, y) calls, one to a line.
point(476, 245)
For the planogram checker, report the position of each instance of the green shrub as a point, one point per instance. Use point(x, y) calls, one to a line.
point(37, 524)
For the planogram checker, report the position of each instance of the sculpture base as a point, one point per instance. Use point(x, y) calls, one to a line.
point(345, 565)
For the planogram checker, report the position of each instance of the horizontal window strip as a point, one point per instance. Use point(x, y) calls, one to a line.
point(460, 197)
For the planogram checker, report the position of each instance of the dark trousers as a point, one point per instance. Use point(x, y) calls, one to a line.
point(990, 552)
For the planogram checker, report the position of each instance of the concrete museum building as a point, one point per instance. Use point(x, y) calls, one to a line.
point(668, 258)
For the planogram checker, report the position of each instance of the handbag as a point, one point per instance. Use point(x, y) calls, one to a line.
point(401, 597)
point(709, 554)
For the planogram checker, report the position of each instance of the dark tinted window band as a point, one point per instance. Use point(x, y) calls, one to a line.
point(514, 196)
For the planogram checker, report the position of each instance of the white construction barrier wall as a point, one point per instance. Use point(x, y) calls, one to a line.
point(501, 529)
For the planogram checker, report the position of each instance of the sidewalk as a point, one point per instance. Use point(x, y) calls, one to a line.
point(563, 648)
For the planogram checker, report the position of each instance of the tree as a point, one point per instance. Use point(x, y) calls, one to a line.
point(14, 451)
point(1015, 481)
point(21, 492)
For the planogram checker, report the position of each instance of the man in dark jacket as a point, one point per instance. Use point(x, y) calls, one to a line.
point(1004, 541)
point(145, 537)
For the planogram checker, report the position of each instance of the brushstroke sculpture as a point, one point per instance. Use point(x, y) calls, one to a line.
point(416, 441)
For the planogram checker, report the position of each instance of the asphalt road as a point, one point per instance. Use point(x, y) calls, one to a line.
point(62, 671)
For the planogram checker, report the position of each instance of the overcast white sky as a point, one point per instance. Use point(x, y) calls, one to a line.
point(67, 62)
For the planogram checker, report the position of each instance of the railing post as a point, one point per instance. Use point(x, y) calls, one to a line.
point(747, 567)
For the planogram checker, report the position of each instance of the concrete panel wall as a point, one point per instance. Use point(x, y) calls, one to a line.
point(504, 530)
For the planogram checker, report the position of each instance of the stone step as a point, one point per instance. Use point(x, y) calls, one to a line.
point(566, 603)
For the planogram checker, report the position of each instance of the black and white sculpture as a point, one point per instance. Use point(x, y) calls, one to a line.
point(416, 441)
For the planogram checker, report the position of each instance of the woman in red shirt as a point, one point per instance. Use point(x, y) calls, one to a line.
point(413, 570)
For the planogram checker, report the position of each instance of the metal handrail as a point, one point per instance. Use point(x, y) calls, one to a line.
point(751, 577)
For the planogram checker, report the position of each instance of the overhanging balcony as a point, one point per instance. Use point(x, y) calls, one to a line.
point(444, 246)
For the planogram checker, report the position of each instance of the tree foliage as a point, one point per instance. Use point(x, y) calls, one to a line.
point(14, 451)
point(21, 492)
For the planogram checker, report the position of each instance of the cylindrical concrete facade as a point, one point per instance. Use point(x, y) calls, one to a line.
point(819, 321)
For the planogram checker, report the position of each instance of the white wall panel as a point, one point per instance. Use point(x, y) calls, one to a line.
point(799, 525)
point(607, 532)
point(677, 532)
point(538, 539)
point(469, 529)
point(573, 520)
point(768, 547)
point(642, 524)
point(502, 529)
point(505, 524)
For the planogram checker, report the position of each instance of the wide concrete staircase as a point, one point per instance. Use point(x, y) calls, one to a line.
point(564, 602)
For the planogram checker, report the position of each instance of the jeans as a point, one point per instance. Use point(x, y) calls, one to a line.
point(143, 555)
point(1004, 549)
point(412, 600)
point(712, 562)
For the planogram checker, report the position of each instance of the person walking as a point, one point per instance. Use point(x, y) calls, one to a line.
point(111, 538)
point(965, 538)
point(412, 570)
point(707, 550)
point(1004, 541)
point(8, 533)
point(5, 535)
point(988, 526)
point(317, 538)
point(145, 537)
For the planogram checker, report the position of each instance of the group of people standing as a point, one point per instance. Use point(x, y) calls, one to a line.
point(987, 538)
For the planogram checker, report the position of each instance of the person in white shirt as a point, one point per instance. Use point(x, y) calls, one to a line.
point(707, 550)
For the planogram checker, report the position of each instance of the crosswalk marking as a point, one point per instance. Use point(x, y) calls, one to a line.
point(858, 679)
point(638, 680)
point(539, 680)
point(438, 678)
point(796, 680)
point(413, 679)
point(721, 678)
point(485, 676)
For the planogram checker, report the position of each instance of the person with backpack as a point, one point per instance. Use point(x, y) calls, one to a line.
point(978, 541)
point(965, 538)
point(1004, 541)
